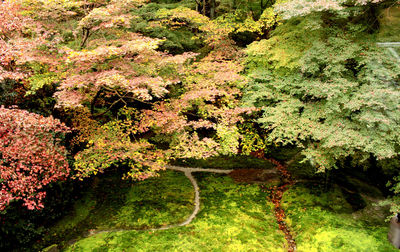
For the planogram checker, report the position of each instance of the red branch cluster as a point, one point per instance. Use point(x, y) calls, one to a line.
point(30, 156)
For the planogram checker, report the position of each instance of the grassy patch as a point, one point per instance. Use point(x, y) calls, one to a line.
point(112, 203)
point(233, 217)
point(325, 221)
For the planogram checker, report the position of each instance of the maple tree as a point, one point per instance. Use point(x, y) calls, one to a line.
point(123, 72)
point(128, 72)
point(295, 8)
point(201, 121)
point(327, 91)
point(29, 47)
point(31, 156)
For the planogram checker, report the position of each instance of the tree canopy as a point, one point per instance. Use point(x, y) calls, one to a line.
point(330, 91)
point(142, 83)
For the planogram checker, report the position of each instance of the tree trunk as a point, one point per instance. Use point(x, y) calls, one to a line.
point(86, 34)
point(198, 5)
point(212, 9)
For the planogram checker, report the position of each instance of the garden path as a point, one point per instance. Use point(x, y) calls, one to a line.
point(188, 173)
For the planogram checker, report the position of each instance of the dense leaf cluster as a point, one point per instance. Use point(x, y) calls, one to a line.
point(31, 156)
point(329, 90)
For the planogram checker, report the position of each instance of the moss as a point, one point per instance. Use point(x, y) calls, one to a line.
point(156, 202)
point(328, 223)
point(389, 25)
point(52, 248)
point(112, 203)
point(232, 218)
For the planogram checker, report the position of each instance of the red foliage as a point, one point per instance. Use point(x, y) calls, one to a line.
point(30, 156)
point(275, 195)
point(10, 19)
point(22, 42)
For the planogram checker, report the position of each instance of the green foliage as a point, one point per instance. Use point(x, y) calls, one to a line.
point(329, 90)
point(19, 230)
point(233, 218)
point(252, 139)
point(176, 40)
point(111, 145)
point(41, 78)
point(8, 92)
point(242, 21)
point(300, 169)
point(229, 139)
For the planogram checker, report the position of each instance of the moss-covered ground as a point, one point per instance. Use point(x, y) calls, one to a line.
point(325, 221)
point(389, 21)
point(113, 203)
point(233, 217)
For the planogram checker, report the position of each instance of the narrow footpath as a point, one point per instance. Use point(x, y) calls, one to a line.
point(188, 173)
point(275, 195)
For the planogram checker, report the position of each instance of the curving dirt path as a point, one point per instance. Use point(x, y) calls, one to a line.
point(276, 196)
point(188, 173)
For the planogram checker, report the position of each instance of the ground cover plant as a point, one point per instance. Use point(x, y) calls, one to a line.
point(324, 221)
point(320, 219)
point(233, 217)
point(111, 203)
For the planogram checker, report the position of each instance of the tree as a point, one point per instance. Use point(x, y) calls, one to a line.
point(112, 77)
point(31, 156)
point(28, 47)
point(329, 90)
point(201, 120)
point(136, 91)
point(296, 8)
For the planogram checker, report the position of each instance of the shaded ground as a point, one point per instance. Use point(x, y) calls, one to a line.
point(324, 221)
point(233, 217)
point(389, 24)
point(237, 216)
point(113, 203)
point(255, 176)
point(226, 162)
